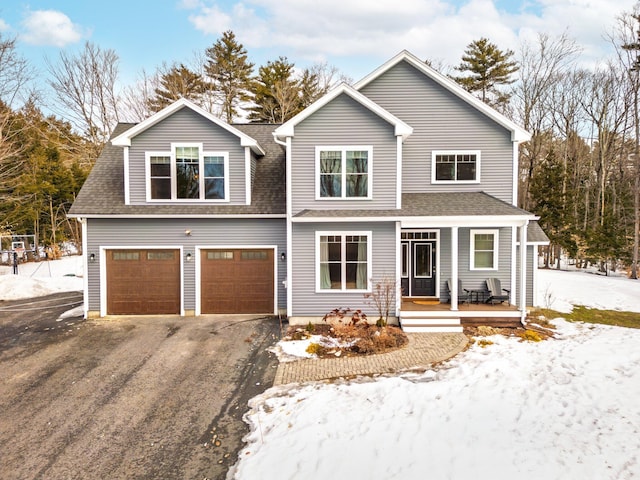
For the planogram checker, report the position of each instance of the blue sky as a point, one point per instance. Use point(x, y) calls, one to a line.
point(354, 35)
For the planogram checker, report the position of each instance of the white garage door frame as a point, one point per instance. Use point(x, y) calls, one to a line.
point(199, 249)
point(103, 270)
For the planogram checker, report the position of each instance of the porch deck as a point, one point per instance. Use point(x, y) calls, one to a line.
point(420, 311)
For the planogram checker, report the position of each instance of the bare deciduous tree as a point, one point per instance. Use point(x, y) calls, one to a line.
point(85, 89)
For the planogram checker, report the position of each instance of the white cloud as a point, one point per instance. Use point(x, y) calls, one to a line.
point(4, 26)
point(434, 29)
point(49, 27)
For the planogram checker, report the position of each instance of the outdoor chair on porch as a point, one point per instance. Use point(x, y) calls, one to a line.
point(464, 295)
point(495, 292)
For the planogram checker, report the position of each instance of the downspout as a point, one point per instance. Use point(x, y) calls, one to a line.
point(289, 227)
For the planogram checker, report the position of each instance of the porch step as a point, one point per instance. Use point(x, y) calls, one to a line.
point(430, 325)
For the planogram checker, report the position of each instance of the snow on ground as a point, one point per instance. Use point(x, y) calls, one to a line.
point(563, 408)
point(560, 289)
point(36, 279)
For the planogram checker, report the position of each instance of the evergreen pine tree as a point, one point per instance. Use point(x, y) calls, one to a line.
point(178, 82)
point(276, 93)
point(488, 68)
point(230, 70)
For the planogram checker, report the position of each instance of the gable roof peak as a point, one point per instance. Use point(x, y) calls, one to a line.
point(124, 139)
point(287, 128)
point(518, 134)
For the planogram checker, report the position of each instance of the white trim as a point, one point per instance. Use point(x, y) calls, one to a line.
point(127, 193)
point(198, 272)
point(287, 129)
point(514, 264)
point(518, 134)
point(124, 139)
point(85, 266)
point(185, 215)
point(514, 180)
point(454, 268)
point(343, 170)
point(398, 172)
point(426, 222)
point(173, 172)
point(523, 273)
point(399, 260)
point(103, 270)
point(435, 153)
point(343, 234)
point(496, 246)
point(247, 176)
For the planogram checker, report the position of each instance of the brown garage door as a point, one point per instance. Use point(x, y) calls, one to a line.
point(237, 281)
point(141, 282)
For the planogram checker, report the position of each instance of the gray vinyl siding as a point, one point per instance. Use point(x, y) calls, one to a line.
point(186, 126)
point(442, 121)
point(170, 232)
point(474, 279)
point(306, 302)
point(344, 122)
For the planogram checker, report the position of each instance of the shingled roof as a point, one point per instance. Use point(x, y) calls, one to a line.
point(444, 204)
point(103, 192)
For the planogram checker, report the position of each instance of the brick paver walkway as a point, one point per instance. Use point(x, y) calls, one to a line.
point(422, 350)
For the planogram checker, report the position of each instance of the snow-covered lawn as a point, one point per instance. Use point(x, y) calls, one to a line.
point(565, 408)
point(36, 279)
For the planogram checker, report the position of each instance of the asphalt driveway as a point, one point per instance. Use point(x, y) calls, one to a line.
point(133, 398)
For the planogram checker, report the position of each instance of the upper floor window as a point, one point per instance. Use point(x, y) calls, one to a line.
point(343, 172)
point(187, 173)
point(455, 166)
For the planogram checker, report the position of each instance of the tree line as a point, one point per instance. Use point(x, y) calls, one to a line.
point(580, 172)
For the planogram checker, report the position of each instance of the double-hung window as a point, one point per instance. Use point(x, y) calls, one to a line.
point(343, 172)
point(187, 172)
point(343, 261)
point(455, 166)
point(484, 249)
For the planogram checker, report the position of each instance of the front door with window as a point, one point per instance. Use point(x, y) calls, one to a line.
point(419, 253)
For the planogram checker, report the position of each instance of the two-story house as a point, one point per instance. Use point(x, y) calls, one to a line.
point(403, 176)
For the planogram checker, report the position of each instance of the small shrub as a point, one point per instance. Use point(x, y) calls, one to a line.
point(310, 327)
point(486, 331)
point(299, 334)
point(484, 342)
point(316, 349)
point(531, 336)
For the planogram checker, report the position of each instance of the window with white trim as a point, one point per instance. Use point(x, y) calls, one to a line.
point(188, 173)
point(455, 166)
point(343, 172)
point(343, 261)
point(484, 249)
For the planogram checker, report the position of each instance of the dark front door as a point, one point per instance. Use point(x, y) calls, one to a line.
point(423, 273)
point(419, 268)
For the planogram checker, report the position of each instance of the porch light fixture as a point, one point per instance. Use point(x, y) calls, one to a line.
point(283, 256)
point(187, 232)
point(188, 257)
point(92, 258)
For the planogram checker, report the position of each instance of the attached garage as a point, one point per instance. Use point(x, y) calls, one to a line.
point(237, 281)
point(143, 281)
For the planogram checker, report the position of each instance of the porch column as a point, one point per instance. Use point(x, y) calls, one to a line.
point(454, 268)
point(523, 271)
